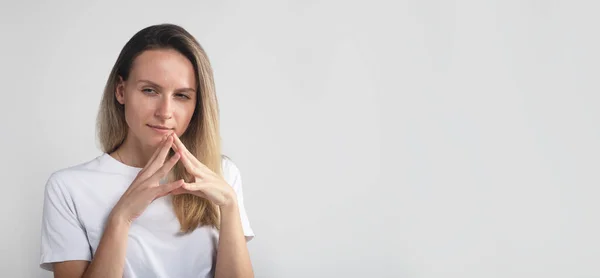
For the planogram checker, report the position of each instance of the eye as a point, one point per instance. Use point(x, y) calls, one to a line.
point(149, 91)
point(184, 96)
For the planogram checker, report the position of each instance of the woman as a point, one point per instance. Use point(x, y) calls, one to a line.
point(161, 201)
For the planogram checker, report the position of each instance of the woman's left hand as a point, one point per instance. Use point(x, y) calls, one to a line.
point(206, 183)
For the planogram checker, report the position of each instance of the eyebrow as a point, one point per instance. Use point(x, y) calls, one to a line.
point(160, 87)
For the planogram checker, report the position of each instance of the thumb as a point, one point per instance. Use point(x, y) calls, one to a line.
point(179, 191)
point(168, 187)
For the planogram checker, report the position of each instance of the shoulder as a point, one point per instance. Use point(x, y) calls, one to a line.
point(231, 172)
point(64, 176)
point(228, 165)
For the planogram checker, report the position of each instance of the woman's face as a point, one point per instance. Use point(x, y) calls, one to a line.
point(159, 96)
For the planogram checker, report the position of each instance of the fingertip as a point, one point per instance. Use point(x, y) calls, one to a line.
point(177, 141)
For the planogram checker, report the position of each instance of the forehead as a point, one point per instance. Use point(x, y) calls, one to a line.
point(166, 67)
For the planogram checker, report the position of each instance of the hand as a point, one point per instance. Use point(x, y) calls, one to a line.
point(206, 183)
point(145, 188)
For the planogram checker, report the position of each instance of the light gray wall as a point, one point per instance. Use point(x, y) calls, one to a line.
point(375, 138)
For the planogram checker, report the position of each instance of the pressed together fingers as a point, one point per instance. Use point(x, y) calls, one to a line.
point(191, 163)
point(157, 168)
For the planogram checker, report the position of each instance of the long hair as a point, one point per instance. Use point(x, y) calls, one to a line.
point(202, 137)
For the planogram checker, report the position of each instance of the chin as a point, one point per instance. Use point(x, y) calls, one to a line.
point(152, 140)
point(155, 139)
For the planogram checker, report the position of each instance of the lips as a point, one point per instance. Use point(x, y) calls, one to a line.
point(159, 127)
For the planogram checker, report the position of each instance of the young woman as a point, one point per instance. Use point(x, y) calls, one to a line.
point(161, 201)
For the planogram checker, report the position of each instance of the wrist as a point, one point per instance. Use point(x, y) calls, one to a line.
point(230, 205)
point(117, 219)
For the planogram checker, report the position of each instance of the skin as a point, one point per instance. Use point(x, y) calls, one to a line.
point(168, 102)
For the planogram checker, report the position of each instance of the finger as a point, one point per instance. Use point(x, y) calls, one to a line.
point(159, 160)
point(165, 189)
point(156, 152)
point(174, 146)
point(194, 186)
point(143, 172)
point(166, 167)
point(179, 191)
point(190, 162)
point(187, 155)
point(189, 166)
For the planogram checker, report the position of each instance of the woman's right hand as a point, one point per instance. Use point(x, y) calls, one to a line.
point(145, 188)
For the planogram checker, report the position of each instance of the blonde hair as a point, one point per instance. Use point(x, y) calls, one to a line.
point(202, 136)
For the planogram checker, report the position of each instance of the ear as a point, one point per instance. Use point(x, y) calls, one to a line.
point(120, 91)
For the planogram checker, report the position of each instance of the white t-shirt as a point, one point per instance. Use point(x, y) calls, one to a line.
point(79, 199)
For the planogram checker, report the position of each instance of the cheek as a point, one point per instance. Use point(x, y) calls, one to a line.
point(131, 118)
point(185, 115)
point(137, 111)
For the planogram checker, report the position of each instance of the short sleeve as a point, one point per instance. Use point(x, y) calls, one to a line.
point(236, 182)
point(62, 236)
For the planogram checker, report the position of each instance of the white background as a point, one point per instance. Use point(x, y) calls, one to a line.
point(375, 138)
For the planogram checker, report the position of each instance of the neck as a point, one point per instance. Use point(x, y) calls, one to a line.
point(133, 153)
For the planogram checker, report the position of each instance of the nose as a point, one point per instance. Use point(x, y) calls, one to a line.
point(164, 111)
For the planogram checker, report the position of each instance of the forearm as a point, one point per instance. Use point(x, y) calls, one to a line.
point(233, 258)
point(109, 259)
